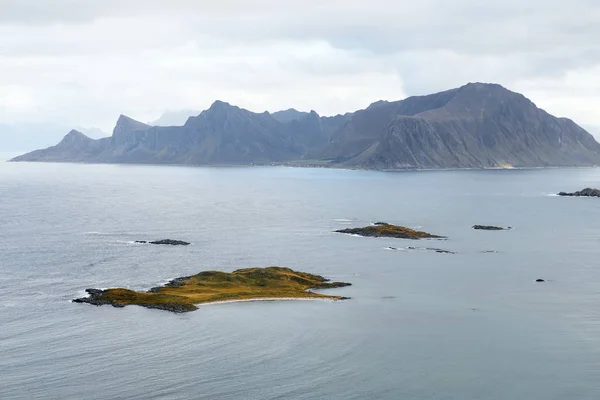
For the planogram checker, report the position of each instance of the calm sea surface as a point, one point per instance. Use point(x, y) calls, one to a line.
point(420, 325)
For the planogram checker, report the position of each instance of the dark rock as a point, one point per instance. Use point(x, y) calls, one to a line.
point(587, 192)
point(490, 228)
point(170, 242)
point(141, 241)
point(173, 307)
point(95, 298)
point(382, 229)
point(540, 280)
point(330, 285)
point(442, 251)
point(172, 283)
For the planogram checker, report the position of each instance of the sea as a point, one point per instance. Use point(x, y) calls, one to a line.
point(419, 325)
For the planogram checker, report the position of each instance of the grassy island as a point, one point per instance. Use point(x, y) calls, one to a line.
point(182, 294)
point(383, 229)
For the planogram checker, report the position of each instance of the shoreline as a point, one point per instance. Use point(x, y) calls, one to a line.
point(267, 299)
point(312, 166)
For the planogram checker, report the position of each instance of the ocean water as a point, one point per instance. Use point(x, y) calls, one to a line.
point(420, 325)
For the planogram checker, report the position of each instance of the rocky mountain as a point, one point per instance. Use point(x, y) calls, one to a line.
point(289, 115)
point(174, 118)
point(74, 147)
point(476, 125)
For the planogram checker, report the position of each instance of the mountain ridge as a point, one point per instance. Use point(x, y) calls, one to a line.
point(478, 125)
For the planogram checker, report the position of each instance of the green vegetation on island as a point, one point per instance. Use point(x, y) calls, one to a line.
point(383, 229)
point(182, 294)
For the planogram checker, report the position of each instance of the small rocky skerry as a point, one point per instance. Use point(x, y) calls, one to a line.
point(491, 228)
point(169, 242)
point(587, 192)
point(441, 251)
point(383, 229)
point(183, 294)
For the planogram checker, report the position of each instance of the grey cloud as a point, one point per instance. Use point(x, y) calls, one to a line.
point(151, 55)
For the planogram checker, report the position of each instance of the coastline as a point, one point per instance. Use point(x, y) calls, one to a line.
point(268, 299)
point(292, 164)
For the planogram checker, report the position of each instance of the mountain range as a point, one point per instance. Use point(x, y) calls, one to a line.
point(478, 125)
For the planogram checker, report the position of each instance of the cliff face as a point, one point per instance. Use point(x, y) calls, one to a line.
point(477, 125)
point(480, 126)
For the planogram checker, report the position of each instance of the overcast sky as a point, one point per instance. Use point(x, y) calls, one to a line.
point(84, 62)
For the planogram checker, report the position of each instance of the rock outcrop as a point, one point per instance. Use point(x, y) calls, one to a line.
point(170, 242)
point(490, 228)
point(382, 229)
point(587, 192)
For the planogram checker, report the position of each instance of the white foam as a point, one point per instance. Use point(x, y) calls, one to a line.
point(343, 220)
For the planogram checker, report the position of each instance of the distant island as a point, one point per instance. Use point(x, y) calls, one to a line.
point(491, 228)
point(587, 192)
point(383, 229)
point(170, 242)
point(183, 294)
point(478, 125)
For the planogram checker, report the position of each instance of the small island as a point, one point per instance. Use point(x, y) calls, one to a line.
point(383, 229)
point(182, 294)
point(587, 192)
point(491, 228)
point(169, 242)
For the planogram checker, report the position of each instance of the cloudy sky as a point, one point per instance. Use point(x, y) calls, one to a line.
point(84, 62)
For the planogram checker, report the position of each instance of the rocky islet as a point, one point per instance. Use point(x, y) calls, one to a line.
point(383, 229)
point(587, 192)
point(183, 294)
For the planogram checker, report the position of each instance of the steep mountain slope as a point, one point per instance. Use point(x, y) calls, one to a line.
point(476, 125)
point(74, 147)
point(364, 127)
point(481, 125)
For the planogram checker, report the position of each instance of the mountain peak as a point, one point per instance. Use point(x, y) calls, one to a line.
point(75, 136)
point(126, 124)
point(378, 103)
point(482, 86)
point(219, 104)
point(75, 133)
point(288, 115)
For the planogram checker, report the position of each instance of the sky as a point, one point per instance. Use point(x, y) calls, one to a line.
point(85, 62)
